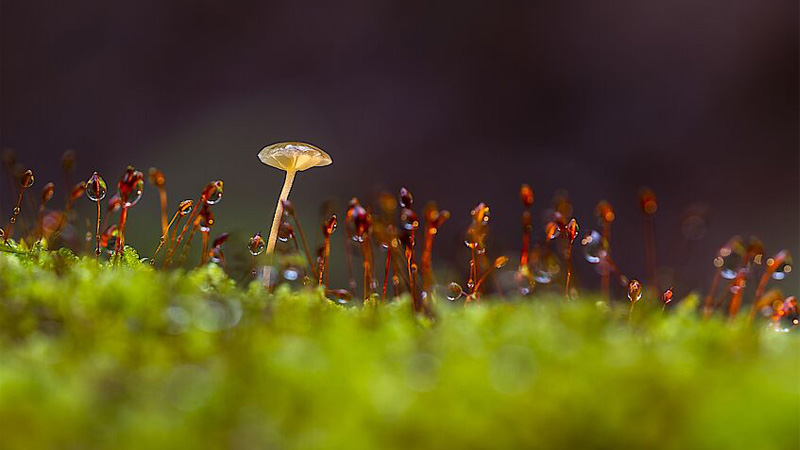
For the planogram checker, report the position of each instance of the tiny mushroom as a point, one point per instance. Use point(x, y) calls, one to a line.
point(291, 157)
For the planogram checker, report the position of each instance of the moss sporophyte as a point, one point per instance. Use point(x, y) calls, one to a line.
point(390, 227)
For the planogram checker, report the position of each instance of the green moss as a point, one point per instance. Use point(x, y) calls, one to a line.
point(128, 357)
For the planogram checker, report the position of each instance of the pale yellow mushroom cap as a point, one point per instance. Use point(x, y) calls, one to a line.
point(293, 156)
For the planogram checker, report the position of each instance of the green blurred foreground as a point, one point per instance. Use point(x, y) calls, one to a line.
point(93, 357)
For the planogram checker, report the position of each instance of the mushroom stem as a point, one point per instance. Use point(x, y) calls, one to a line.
point(276, 221)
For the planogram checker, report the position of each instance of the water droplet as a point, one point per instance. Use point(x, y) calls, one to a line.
point(291, 274)
point(185, 207)
point(478, 229)
point(256, 245)
point(409, 220)
point(434, 218)
point(572, 230)
point(285, 232)
point(552, 230)
point(108, 240)
point(786, 317)
point(358, 220)
point(130, 187)
point(634, 290)
point(480, 214)
point(212, 193)
point(730, 257)
point(544, 266)
point(96, 188)
point(219, 240)
point(526, 195)
point(595, 248)
point(500, 262)
point(205, 219)
point(666, 297)
point(288, 207)
point(47, 192)
point(339, 296)
point(16, 210)
point(454, 291)
point(782, 263)
point(2, 233)
point(755, 250)
point(329, 226)
point(26, 180)
point(406, 198)
point(694, 224)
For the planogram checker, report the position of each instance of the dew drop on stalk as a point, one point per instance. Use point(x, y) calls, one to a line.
point(666, 297)
point(27, 179)
point(212, 193)
point(96, 188)
point(552, 230)
point(96, 191)
point(256, 245)
point(339, 296)
point(206, 219)
point(130, 187)
point(329, 226)
point(572, 230)
point(454, 291)
point(694, 223)
point(109, 238)
point(409, 220)
point(755, 251)
point(782, 266)
point(285, 232)
point(359, 221)
point(47, 192)
point(544, 267)
point(406, 199)
point(730, 258)
point(216, 255)
point(595, 248)
point(634, 290)
point(185, 207)
point(786, 317)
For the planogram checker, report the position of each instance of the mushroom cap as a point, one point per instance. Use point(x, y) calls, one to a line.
point(295, 156)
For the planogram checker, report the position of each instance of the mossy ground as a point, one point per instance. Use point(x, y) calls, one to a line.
point(129, 357)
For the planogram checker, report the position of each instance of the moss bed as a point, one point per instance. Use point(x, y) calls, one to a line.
point(97, 356)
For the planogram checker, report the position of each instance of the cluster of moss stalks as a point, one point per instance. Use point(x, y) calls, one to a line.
point(99, 355)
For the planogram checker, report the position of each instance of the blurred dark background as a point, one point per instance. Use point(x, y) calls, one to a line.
point(459, 101)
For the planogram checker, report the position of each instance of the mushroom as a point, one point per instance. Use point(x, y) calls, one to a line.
point(292, 157)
